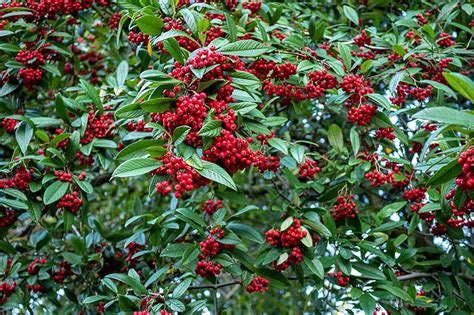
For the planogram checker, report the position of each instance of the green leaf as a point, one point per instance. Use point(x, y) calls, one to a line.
point(156, 275)
point(122, 72)
point(176, 305)
point(399, 50)
point(278, 144)
point(54, 192)
point(355, 141)
point(84, 185)
point(94, 299)
point(315, 267)
point(181, 288)
point(446, 115)
point(216, 173)
point(191, 215)
point(367, 303)
point(175, 250)
point(92, 94)
point(244, 48)
point(390, 209)
point(369, 271)
point(15, 204)
point(277, 280)
point(171, 45)
point(23, 135)
point(247, 232)
point(335, 137)
point(131, 282)
point(445, 173)
point(345, 54)
point(381, 100)
point(61, 108)
point(171, 34)
point(351, 14)
point(180, 133)
point(297, 152)
point(392, 86)
point(150, 24)
point(461, 83)
point(135, 167)
point(232, 29)
point(136, 149)
point(316, 29)
point(430, 207)
point(157, 105)
point(442, 87)
point(211, 129)
point(286, 224)
point(399, 292)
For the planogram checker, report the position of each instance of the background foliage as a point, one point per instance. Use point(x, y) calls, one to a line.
point(236, 157)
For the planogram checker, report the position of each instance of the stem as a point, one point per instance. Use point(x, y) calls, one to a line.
point(216, 302)
point(215, 286)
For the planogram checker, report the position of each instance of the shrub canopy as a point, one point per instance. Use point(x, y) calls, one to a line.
point(230, 157)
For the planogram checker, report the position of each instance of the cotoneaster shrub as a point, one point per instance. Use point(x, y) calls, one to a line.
point(236, 157)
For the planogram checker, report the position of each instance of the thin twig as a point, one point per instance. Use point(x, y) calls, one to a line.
point(215, 286)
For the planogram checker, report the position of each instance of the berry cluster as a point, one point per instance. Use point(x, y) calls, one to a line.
point(357, 86)
point(258, 284)
point(362, 115)
point(415, 194)
point(308, 169)
point(115, 20)
point(20, 180)
point(264, 163)
point(445, 40)
point(182, 177)
point(253, 6)
point(466, 179)
point(323, 79)
point(8, 124)
point(421, 19)
point(7, 217)
point(232, 153)
point(133, 248)
point(98, 127)
point(183, 41)
point(137, 126)
point(30, 58)
point(378, 178)
point(341, 280)
point(138, 38)
point(362, 39)
point(35, 287)
point(190, 111)
point(63, 272)
point(63, 176)
point(345, 207)
point(427, 216)
point(30, 76)
point(208, 269)
point(385, 133)
point(290, 238)
point(211, 206)
point(34, 266)
point(6, 290)
point(210, 59)
point(70, 202)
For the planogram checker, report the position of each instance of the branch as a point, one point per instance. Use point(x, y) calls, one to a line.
point(416, 275)
point(101, 179)
point(215, 286)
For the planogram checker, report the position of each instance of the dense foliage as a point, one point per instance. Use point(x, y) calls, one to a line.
point(162, 156)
